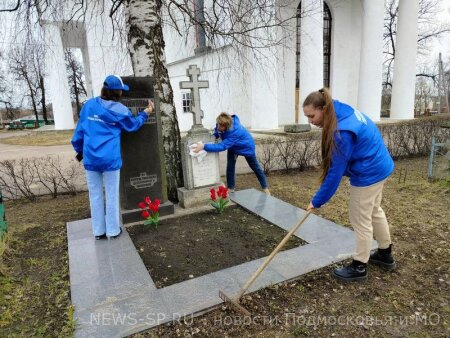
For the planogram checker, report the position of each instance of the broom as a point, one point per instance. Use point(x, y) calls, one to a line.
point(234, 302)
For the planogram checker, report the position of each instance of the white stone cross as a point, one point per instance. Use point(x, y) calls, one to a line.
point(194, 84)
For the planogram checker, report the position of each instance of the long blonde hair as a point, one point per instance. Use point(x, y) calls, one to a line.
point(322, 99)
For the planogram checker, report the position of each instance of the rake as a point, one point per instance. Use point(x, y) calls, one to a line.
point(234, 302)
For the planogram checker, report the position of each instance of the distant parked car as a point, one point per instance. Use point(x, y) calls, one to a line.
point(32, 124)
point(14, 125)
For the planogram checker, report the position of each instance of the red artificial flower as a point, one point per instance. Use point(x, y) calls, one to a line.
point(213, 194)
point(157, 202)
point(145, 214)
point(142, 205)
point(222, 191)
point(225, 193)
point(148, 200)
point(154, 207)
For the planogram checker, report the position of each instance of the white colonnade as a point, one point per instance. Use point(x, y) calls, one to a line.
point(404, 78)
point(371, 59)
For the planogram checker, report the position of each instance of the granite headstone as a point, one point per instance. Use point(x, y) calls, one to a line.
point(143, 171)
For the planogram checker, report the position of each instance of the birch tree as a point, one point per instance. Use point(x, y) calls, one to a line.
point(146, 45)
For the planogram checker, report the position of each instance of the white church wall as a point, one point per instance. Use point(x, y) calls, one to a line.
point(345, 49)
point(103, 53)
point(286, 64)
point(248, 90)
point(57, 81)
point(264, 109)
point(266, 95)
point(226, 92)
point(177, 47)
point(100, 49)
point(311, 50)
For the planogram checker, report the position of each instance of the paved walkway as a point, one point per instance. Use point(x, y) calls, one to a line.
point(114, 296)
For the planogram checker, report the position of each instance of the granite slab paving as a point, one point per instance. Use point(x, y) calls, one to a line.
point(114, 296)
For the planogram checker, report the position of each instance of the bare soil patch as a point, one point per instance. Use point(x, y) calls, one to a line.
point(194, 245)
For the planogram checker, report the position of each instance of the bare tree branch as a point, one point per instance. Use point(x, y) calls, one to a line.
point(11, 9)
point(428, 29)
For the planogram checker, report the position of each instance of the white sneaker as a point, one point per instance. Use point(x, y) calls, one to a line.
point(267, 191)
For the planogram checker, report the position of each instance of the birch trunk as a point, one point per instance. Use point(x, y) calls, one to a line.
point(146, 45)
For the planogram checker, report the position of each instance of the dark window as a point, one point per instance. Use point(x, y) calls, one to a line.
point(326, 45)
point(187, 102)
point(297, 46)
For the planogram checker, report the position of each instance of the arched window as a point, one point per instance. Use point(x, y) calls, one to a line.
point(326, 45)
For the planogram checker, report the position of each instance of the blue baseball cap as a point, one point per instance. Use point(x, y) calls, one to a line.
point(114, 82)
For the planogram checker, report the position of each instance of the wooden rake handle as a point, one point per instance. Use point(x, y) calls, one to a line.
point(268, 259)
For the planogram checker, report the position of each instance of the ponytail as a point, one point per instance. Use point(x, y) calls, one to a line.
point(322, 99)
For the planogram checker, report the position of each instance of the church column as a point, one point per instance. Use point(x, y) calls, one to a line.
point(58, 82)
point(264, 84)
point(87, 69)
point(404, 79)
point(371, 59)
point(311, 51)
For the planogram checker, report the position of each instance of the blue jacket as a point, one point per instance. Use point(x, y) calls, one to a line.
point(360, 154)
point(236, 138)
point(97, 135)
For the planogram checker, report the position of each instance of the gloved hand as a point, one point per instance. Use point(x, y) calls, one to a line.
point(79, 157)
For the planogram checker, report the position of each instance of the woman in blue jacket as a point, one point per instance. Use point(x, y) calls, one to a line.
point(238, 141)
point(353, 146)
point(97, 142)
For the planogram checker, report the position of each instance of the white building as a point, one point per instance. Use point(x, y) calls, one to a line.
point(102, 51)
point(338, 44)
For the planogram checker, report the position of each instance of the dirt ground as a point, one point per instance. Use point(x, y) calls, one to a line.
point(40, 138)
point(413, 301)
point(194, 245)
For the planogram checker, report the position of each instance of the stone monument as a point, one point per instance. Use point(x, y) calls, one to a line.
point(199, 175)
point(143, 171)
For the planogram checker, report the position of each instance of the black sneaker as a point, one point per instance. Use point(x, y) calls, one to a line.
point(114, 237)
point(100, 237)
point(383, 258)
point(355, 271)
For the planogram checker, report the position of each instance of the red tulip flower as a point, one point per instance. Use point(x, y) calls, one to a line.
point(213, 194)
point(153, 207)
point(219, 203)
point(150, 211)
